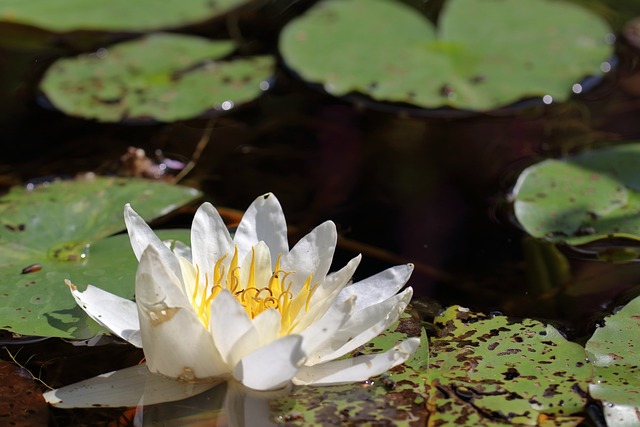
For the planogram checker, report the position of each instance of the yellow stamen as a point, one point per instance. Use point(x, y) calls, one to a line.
point(195, 287)
point(233, 280)
point(254, 297)
point(218, 270)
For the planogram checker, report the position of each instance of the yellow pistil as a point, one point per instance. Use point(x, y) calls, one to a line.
point(254, 297)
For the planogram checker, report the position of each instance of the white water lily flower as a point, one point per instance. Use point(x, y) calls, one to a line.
point(247, 308)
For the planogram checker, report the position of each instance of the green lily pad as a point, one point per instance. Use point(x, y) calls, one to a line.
point(584, 198)
point(519, 49)
point(396, 398)
point(54, 232)
point(139, 80)
point(112, 15)
point(490, 370)
point(614, 351)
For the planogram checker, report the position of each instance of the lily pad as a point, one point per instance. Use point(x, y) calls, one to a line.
point(490, 370)
point(396, 398)
point(591, 196)
point(162, 77)
point(615, 353)
point(112, 15)
point(54, 232)
point(519, 49)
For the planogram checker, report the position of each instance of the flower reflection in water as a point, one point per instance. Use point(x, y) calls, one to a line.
point(227, 404)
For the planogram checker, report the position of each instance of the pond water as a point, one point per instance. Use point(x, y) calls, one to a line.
point(401, 187)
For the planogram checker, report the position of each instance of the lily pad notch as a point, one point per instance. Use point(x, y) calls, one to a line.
point(520, 49)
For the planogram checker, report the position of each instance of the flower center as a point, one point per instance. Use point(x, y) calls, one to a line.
point(254, 297)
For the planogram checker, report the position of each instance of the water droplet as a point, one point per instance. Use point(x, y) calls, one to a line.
point(102, 53)
point(577, 88)
point(547, 99)
point(605, 67)
point(227, 105)
point(610, 38)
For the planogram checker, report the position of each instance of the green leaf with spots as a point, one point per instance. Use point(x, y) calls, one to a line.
point(519, 49)
point(588, 197)
point(112, 15)
point(54, 232)
point(489, 370)
point(614, 351)
point(395, 398)
point(161, 77)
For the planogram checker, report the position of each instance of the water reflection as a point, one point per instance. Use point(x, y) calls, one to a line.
point(227, 404)
point(157, 400)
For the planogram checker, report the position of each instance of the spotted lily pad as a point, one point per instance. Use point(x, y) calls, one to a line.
point(592, 196)
point(396, 398)
point(490, 370)
point(161, 77)
point(388, 51)
point(112, 15)
point(54, 232)
point(614, 350)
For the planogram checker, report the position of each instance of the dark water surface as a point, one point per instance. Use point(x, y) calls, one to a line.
point(428, 190)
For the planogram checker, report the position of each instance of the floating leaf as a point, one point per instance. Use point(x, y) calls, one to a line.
point(396, 398)
point(486, 370)
point(161, 77)
point(112, 15)
point(581, 199)
point(53, 233)
point(615, 353)
point(519, 49)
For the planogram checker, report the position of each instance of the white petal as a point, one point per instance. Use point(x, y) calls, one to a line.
point(157, 283)
point(316, 335)
point(336, 281)
point(245, 345)
point(363, 326)
point(265, 330)
point(189, 279)
point(262, 264)
point(210, 239)
point(228, 323)
point(358, 368)
point(273, 366)
point(263, 221)
point(311, 255)
point(325, 295)
point(123, 388)
point(175, 341)
point(141, 236)
point(267, 325)
point(378, 287)
point(115, 313)
point(177, 345)
point(180, 249)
